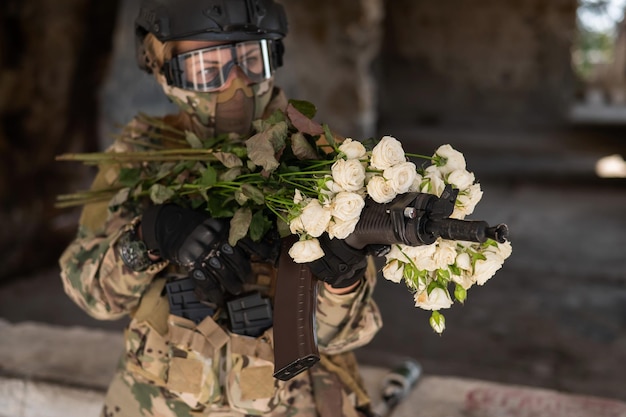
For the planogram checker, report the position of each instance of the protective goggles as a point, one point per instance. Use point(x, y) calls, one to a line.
point(208, 69)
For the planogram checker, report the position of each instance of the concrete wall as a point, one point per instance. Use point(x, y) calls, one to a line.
point(330, 51)
point(477, 62)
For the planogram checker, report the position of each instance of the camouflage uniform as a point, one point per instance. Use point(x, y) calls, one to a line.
point(173, 367)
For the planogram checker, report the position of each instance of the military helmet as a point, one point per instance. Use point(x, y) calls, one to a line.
point(211, 20)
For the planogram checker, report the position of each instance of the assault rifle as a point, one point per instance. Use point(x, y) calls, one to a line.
point(412, 219)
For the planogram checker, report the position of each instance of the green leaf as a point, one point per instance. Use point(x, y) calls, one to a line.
point(278, 135)
point(369, 143)
point(262, 125)
point(475, 256)
point(303, 123)
point(208, 178)
point(329, 136)
point(229, 160)
point(253, 193)
point(489, 242)
point(165, 169)
point(219, 208)
point(230, 175)
point(455, 270)
point(261, 151)
point(212, 142)
point(411, 272)
point(306, 108)
point(259, 226)
point(183, 166)
point(196, 203)
point(240, 197)
point(239, 151)
point(460, 293)
point(259, 125)
point(437, 321)
point(433, 285)
point(301, 147)
point(136, 192)
point(283, 228)
point(120, 197)
point(193, 140)
point(159, 194)
point(276, 117)
point(239, 225)
point(129, 177)
point(443, 275)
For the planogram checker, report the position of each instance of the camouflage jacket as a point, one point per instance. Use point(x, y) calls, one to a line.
point(172, 366)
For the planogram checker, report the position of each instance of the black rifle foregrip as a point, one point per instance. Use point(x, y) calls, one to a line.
point(454, 229)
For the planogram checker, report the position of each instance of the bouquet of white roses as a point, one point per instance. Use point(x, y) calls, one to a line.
point(297, 175)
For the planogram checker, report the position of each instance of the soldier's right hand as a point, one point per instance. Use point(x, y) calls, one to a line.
point(199, 244)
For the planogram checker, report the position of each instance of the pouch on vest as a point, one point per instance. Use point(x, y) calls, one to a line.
point(194, 365)
point(250, 386)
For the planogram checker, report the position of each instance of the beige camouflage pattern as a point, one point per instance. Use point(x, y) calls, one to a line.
point(173, 367)
point(345, 322)
point(202, 106)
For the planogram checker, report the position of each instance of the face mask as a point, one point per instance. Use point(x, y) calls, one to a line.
point(228, 111)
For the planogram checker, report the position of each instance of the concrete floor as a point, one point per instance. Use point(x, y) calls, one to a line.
point(553, 317)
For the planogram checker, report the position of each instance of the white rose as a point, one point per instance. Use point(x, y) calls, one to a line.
point(315, 218)
point(465, 280)
point(422, 256)
point(347, 206)
point(297, 197)
point(349, 175)
point(380, 190)
point(445, 253)
point(332, 186)
point(463, 261)
point(394, 271)
point(396, 253)
point(352, 149)
point(433, 182)
point(461, 179)
point(451, 159)
point(401, 176)
point(341, 229)
point(466, 201)
point(438, 299)
point(306, 251)
point(296, 226)
point(505, 249)
point(416, 186)
point(386, 153)
point(484, 269)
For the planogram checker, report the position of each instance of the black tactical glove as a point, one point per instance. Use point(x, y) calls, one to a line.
point(341, 266)
point(199, 244)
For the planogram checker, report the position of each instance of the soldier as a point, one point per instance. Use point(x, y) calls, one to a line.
point(215, 59)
